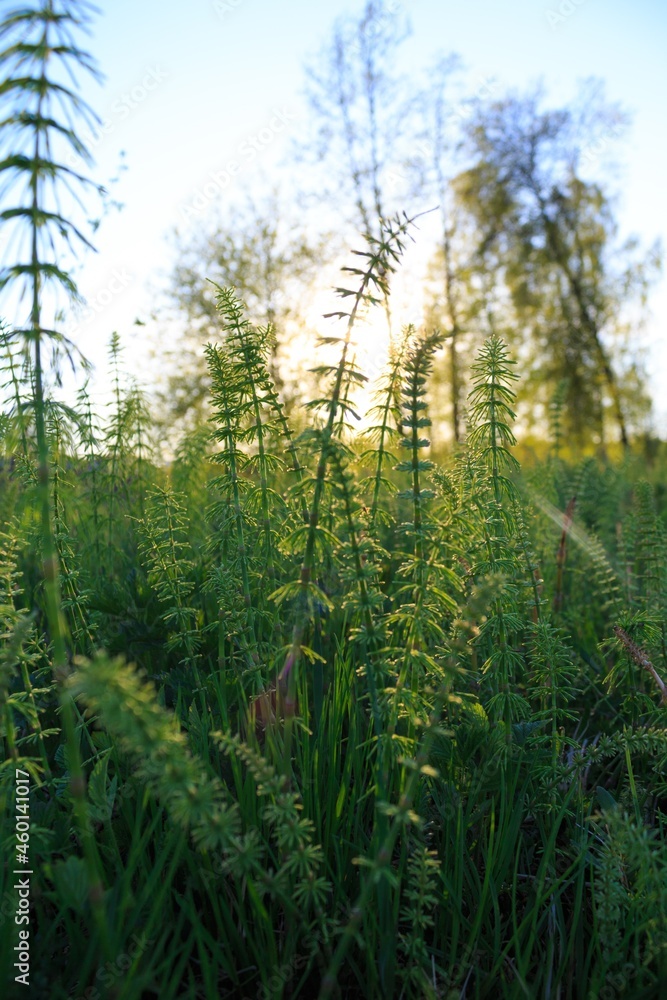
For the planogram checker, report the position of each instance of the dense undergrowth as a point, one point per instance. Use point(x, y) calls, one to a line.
point(352, 723)
point(304, 713)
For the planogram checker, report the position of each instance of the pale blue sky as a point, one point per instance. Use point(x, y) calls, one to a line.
point(206, 75)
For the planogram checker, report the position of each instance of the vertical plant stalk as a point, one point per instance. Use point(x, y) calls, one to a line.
point(15, 383)
point(416, 421)
point(91, 452)
point(382, 256)
point(166, 555)
point(568, 517)
point(389, 407)
point(17, 627)
point(398, 817)
point(52, 43)
point(245, 348)
point(117, 430)
point(492, 398)
point(227, 396)
point(532, 568)
point(642, 660)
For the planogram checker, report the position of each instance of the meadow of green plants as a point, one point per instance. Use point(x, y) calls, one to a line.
point(314, 708)
point(333, 720)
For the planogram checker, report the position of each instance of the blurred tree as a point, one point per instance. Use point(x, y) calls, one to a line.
point(452, 300)
point(350, 151)
point(254, 249)
point(359, 118)
point(526, 247)
point(549, 238)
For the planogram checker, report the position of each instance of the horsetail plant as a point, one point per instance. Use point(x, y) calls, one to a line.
point(165, 553)
point(416, 824)
point(553, 684)
point(16, 384)
point(387, 411)
point(37, 43)
point(419, 618)
point(90, 442)
point(491, 399)
point(229, 408)
point(18, 645)
point(246, 352)
point(317, 878)
point(381, 258)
